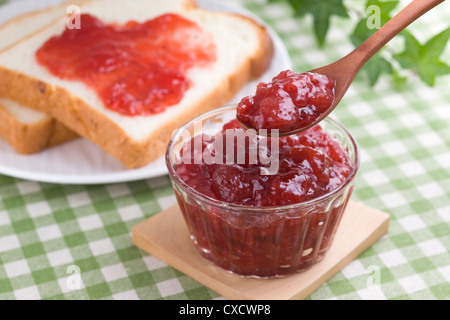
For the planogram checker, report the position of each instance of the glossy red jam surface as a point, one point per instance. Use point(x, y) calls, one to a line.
point(311, 164)
point(135, 68)
point(291, 101)
point(261, 243)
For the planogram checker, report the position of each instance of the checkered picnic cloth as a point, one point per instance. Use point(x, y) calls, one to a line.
point(74, 242)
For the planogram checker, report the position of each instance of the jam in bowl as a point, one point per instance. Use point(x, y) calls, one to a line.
point(261, 206)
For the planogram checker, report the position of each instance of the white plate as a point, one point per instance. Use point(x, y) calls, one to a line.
point(82, 162)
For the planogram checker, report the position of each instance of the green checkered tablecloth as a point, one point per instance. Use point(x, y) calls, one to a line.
point(74, 242)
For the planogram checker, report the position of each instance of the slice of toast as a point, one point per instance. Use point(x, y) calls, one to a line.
point(244, 51)
point(29, 131)
point(26, 130)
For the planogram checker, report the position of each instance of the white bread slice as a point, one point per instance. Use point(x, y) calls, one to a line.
point(244, 51)
point(26, 24)
point(29, 131)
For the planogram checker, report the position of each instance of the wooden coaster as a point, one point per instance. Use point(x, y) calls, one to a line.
point(166, 237)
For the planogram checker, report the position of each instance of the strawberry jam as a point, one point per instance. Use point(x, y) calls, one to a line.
point(311, 164)
point(135, 68)
point(291, 101)
point(256, 224)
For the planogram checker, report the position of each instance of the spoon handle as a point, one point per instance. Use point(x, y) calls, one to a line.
point(393, 27)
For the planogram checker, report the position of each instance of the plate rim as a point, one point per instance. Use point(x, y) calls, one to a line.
point(127, 175)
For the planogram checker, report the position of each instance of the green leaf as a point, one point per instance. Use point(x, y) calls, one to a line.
point(398, 80)
point(362, 32)
point(378, 65)
point(322, 11)
point(375, 67)
point(425, 59)
point(386, 7)
point(438, 43)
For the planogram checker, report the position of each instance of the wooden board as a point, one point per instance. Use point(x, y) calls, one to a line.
point(166, 236)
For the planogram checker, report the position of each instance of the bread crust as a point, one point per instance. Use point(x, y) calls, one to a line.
point(190, 4)
point(38, 12)
point(32, 138)
point(262, 59)
point(95, 126)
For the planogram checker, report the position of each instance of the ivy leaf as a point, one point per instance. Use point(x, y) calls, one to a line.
point(421, 59)
point(375, 67)
point(322, 11)
point(425, 59)
point(362, 31)
point(386, 8)
point(398, 80)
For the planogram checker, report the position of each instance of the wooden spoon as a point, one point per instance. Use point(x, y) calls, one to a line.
point(345, 70)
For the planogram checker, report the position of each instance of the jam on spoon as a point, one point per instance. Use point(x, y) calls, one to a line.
point(290, 102)
point(343, 72)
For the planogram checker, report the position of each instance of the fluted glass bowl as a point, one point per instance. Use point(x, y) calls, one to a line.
point(267, 241)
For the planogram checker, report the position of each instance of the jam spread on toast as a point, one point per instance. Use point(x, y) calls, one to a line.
point(135, 68)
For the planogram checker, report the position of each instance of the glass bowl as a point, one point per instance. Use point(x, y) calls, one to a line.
point(260, 242)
